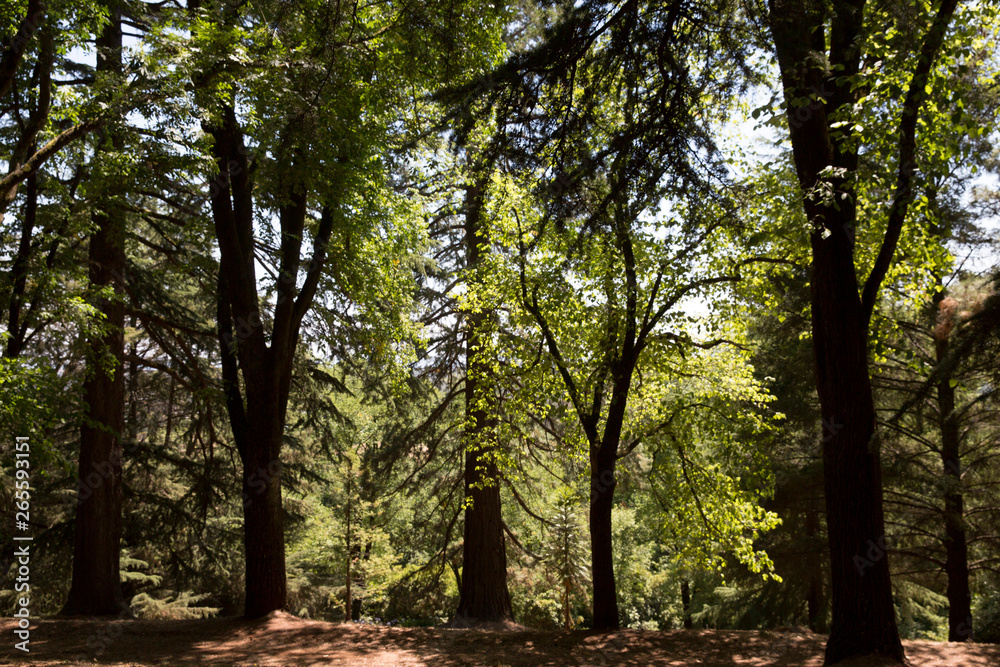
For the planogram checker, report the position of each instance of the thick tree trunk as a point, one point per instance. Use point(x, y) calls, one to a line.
point(484, 593)
point(864, 620)
point(815, 600)
point(263, 533)
point(96, 585)
point(257, 403)
point(818, 46)
point(955, 541)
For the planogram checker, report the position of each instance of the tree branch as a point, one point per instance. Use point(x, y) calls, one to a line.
point(915, 97)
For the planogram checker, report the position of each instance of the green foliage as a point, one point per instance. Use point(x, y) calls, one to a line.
point(986, 617)
point(921, 613)
point(606, 205)
point(567, 555)
point(172, 607)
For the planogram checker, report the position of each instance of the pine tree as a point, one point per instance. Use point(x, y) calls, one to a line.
point(566, 551)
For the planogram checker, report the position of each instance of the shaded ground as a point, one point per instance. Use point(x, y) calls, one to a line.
point(282, 639)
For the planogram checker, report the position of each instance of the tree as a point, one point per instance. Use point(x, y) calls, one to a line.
point(633, 82)
point(316, 166)
point(821, 56)
point(27, 156)
point(96, 587)
point(566, 553)
point(940, 481)
point(484, 595)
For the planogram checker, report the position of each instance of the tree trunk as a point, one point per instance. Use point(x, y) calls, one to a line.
point(567, 625)
point(603, 459)
point(364, 556)
point(818, 47)
point(484, 593)
point(955, 542)
point(815, 600)
point(263, 517)
point(348, 605)
point(602, 493)
point(864, 620)
point(257, 403)
point(686, 604)
point(19, 272)
point(96, 585)
point(168, 430)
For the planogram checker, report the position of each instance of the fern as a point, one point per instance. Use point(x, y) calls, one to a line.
point(147, 607)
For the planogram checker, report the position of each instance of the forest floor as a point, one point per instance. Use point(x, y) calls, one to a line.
point(283, 639)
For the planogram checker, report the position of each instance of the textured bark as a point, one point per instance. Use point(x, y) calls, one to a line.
point(263, 520)
point(955, 540)
point(256, 412)
point(864, 619)
point(96, 586)
point(484, 593)
point(863, 615)
point(816, 600)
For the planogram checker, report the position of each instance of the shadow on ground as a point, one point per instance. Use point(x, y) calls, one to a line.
point(282, 639)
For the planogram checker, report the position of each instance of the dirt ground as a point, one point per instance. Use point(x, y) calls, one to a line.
point(282, 639)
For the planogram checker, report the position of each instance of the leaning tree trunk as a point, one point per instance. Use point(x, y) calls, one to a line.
point(484, 593)
point(955, 541)
point(96, 585)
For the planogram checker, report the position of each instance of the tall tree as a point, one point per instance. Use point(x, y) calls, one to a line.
point(940, 484)
point(632, 82)
point(821, 50)
point(96, 586)
point(321, 166)
point(484, 595)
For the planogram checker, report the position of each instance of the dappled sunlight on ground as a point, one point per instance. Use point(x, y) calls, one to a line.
point(283, 639)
